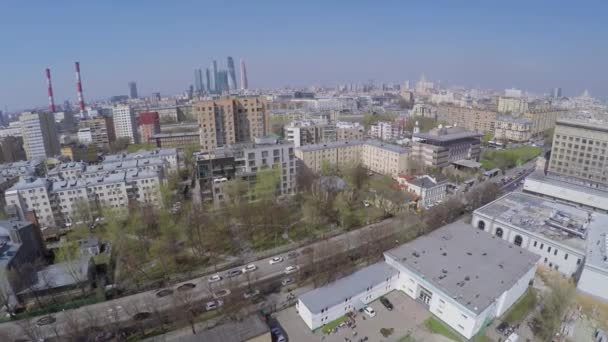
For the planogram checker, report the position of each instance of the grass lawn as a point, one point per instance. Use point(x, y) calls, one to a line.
point(331, 325)
point(505, 159)
point(438, 327)
point(521, 308)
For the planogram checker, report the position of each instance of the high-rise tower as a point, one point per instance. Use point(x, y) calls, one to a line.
point(244, 84)
point(199, 88)
point(231, 74)
point(208, 77)
point(215, 80)
point(132, 90)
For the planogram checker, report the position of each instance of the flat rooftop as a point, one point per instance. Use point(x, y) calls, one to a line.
point(469, 265)
point(594, 126)
point(356, 283)
point(537, 182)
point(559, 222)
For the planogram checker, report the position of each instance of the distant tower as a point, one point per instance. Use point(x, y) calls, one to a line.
point(557, 93)
point(215, 80)
point(208, 77)
point(132, 90)
point(244, 83)
point(79, 90)
point(231, 74)
point(198, 81)
point(50, 91)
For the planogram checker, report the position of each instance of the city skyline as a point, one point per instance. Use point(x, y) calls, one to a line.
point(475, 44)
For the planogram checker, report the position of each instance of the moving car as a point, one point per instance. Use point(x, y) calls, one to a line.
point(249, 268)
point(290, 269)
point(369, 311)
point(387, 303)
point(214, 304)
point(214, 278)
point(275, 260)
point(233, 273)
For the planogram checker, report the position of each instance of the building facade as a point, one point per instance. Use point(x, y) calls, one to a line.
point(98, 131)
point(230, 120)
point(302, 133)
point(472, 119)
point(40, 138)
point(386, 131)
point(508, 128)
point(443, 145)
point(512, 105)
point(430, 189)
point(125, 123)
point(148, 126)
point(176, 140)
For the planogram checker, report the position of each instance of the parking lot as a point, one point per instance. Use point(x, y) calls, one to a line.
point(407, 316)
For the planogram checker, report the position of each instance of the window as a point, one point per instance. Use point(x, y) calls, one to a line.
point(481, 225)
point(499, 232)
point(555, 252)
point(566, 256)
point(518, 240)
point(535, 242)
point(542, 245)
point(578, 262)
point(549, 249)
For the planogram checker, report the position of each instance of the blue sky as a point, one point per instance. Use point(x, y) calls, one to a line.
point(534, 45)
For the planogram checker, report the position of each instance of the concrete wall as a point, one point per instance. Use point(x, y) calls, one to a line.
point(594, 281)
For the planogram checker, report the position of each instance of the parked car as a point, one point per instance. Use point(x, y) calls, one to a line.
point(214, 278)
point(249, 268)
point(275, 260)
point(503, 328)
point(251, 294)
point(278, 334)
point(387, 303)
point(287, 281)
point(233, 273)
point(369, 311)
point(214, 304)
point(290, 269)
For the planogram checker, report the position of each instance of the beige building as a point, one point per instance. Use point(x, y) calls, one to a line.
point(509, 128)
point(98, 131)
point(374, 155)
point(512, 105)
point(580, 153)
point(542, 120)
point(472, 119)
point(230, 120)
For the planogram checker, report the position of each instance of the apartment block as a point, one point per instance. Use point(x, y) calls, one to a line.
point(125, 123)
point(176, 140)
point(375, 155)
point(40, 138)
point(307, 132)
point(508, 128)
point(230, 120)
point(512, 105)
point(244, 161)
point(472, 119)
point(349, 131)
point(148, 124)
point(386, 131)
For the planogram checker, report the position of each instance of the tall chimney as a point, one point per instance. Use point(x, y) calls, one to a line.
point(79, 89)
point(50, 90)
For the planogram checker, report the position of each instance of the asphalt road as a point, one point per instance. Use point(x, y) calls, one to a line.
point(124, 308)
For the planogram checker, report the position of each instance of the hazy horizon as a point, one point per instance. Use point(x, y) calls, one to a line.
point(532, 46)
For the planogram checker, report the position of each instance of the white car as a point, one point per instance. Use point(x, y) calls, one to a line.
point(214, 304)
point(369, 311)
point(290, 269)
point(366, 204)
point(251, 294)
point(249, 268)
point(214, 278)
point(275, 260)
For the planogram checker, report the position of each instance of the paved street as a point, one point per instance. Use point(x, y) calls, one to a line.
point(124, 308)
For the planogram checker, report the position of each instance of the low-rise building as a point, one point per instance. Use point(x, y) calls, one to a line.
point(464, 277)
point(430, 189)
point(443, 145)
point(170, 155)
point(569, 240)
point(349, 131)
point(31, 194)
point(387, 131)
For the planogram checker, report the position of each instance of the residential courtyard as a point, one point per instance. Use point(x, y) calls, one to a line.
point(407, 318)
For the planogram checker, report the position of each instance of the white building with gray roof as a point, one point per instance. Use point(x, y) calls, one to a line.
point(463, 276)
point(568, 239)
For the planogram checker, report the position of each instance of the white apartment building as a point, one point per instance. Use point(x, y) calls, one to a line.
point(386, 131)
point(463, 276)
point(568, 239)
point(170, 155)
point(69, 196)
point(67, 171)
point(306, 132)
point(40, 138)
point(31, 194)
point(85, 135)
point(125, 123)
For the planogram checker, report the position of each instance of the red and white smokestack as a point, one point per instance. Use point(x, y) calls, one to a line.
point(50, 90)
point(79, 88)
